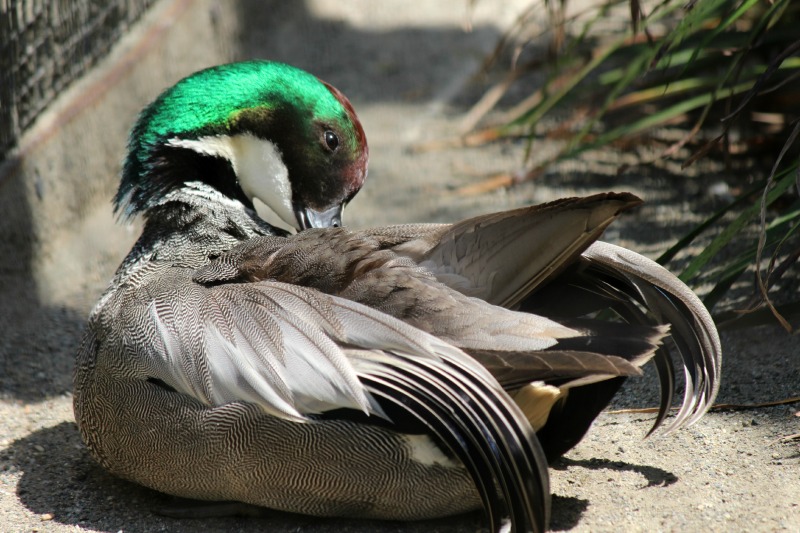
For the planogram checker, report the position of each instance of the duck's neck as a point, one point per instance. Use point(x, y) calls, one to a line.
point(195, 223)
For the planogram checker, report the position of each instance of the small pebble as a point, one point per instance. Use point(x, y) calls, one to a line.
point(47, 516)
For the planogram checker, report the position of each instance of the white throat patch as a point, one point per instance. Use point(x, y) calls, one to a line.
point(258, 165)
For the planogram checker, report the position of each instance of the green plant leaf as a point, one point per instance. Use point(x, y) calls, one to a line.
point(785, 180)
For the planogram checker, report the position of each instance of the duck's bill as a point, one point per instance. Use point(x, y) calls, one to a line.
point(311, 218)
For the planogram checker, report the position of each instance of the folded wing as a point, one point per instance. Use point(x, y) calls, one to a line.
point(465, 285)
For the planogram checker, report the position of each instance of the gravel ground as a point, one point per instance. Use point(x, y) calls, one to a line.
point(408, 74)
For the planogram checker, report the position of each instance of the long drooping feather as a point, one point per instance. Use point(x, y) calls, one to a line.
point(670, 301)
point(491, 437)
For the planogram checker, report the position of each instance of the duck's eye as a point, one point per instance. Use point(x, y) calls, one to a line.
point(331, 140)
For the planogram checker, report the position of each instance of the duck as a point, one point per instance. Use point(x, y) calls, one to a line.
point(403, 372)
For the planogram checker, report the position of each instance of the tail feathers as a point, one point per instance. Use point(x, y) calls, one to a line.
point(644, 295)
point(480, 424)
point(669, 300)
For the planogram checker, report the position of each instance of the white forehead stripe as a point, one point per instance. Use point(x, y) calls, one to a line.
point(258, 165)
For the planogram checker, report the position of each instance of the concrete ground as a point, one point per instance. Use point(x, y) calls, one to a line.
point(408, 70)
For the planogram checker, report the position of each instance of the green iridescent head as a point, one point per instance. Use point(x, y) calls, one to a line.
point(255, 129)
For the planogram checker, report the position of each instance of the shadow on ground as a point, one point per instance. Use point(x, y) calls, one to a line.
point(654, 476)
point(406, 64)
